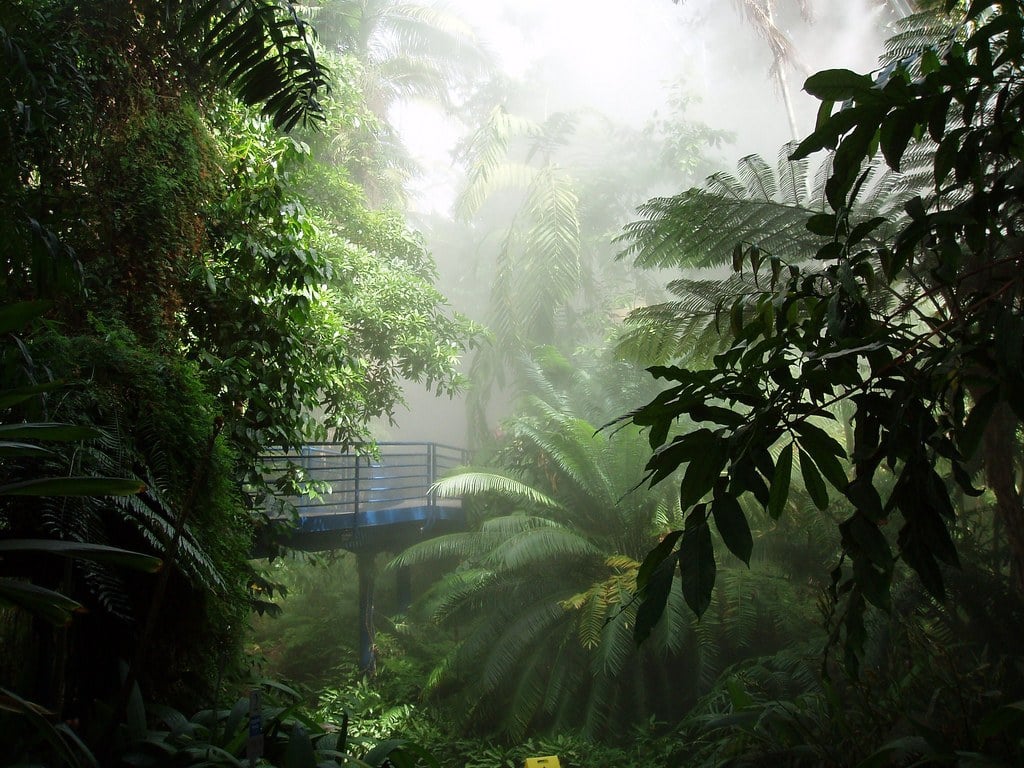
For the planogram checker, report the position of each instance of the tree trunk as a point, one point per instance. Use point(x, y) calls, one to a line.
point(1000, 451)
point(367, 653)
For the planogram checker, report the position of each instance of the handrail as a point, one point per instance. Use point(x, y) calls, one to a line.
point(395, 475)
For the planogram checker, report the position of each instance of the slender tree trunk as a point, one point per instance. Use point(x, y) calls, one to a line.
point(367, 653)
point(1000, 450)
point(780, 75)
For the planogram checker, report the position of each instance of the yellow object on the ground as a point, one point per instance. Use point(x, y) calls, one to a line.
point(542, 762)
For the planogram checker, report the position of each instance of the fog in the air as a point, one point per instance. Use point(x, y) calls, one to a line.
point(648, 66)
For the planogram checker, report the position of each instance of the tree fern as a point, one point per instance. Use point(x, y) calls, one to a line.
point(758, 207)
point(472, 483)
point(543, 596)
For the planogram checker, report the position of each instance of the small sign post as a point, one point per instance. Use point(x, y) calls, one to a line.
point(254, 746)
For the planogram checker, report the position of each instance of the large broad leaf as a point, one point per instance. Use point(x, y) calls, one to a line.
point(9, 397)
point(74, 486)
point(46, 431)
point(9, 448)
point(838, 84)
point(813, 482)
point(702, 472)
point(654, 583)
point(779, 491)
point(99, 553)
point(697, 562)
point(14, 317)
point(825, 450)
point(50, 606)
point(733, 526)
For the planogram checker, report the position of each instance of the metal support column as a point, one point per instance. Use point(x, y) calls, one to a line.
point(403, 587)
point(367, 655)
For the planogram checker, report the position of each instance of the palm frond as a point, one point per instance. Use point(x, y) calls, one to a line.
point(264, 51)
point(540, 547)
point(498, 529)
point(472, 483)
point(432, 31)
point(464, 545)
point(451, 600)
point(526, 627)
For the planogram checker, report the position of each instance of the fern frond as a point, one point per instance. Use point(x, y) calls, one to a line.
point(536, 548)
point(758, 177)
point(529, 625)
point(438, 548)
point(473, 483)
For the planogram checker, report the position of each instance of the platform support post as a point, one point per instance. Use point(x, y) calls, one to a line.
point(403, 587)
point(367, 655)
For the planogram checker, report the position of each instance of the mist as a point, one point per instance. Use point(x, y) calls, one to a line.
point(641, 68)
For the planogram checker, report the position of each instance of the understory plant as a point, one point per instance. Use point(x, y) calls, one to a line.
point(540, 590)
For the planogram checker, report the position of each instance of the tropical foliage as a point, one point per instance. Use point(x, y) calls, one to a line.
point(542, 594)
point(929, 392)
point(542, 207)
point(203, 305)
point(394, 53)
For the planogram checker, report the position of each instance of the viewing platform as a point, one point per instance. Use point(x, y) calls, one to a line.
point(372, 503)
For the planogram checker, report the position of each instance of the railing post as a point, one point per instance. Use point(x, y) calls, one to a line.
point(431, 472)
point(355, 501)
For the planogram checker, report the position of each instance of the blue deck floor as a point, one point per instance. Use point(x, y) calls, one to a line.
point(370, 503)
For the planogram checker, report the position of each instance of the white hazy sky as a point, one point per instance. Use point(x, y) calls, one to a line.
point(618, 55)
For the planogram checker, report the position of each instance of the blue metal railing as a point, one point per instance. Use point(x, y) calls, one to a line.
point(354, 482)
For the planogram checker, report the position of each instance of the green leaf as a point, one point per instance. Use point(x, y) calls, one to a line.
point(863, 229)
point(717, 415)
point(655, 558)
point(733, 526)
point(701, 473)
point(654, 583)
point(697, 562)
point(847, 162)
point(46, 431)
point(14, 317)
point(873, 583)
point(98, 553)
point(896, 752)
point(860, 534)
point(9, 448)
point(865, 498)
point(67, 747)
point(825, 450)
point(74, 486)
point(738, 695)
point(377, 756)
point(780, 482)
point(812, 481)
point(837, 84)
point(1007, 720)
point(300, 749)
point(9, 397)
point(917, 539)
point(50, 606)
point(977, 420)
point(823, 224)
point(895, 134)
